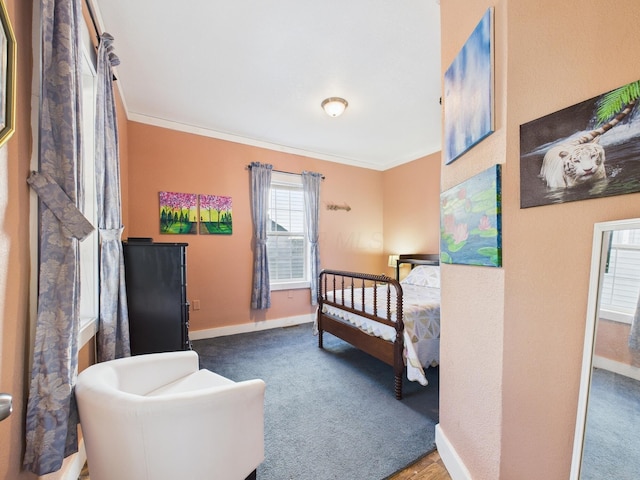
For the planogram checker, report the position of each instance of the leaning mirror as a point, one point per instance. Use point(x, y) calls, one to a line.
point(607, 443)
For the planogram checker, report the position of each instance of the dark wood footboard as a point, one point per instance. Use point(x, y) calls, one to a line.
point(351, 288)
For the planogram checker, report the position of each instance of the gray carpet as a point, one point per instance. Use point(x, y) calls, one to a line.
point(329, 414)
point(612, 445)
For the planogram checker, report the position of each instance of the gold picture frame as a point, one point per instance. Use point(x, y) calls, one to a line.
point(7, 76)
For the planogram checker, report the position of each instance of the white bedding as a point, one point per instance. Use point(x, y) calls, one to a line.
point(421, 317)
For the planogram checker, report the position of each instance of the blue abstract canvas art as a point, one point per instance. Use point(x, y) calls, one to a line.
point(468, 92)
point(471, 221)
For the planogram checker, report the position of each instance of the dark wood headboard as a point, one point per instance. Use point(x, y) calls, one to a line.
point(414, 259)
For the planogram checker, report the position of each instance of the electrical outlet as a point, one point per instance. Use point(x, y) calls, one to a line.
point(196, 304)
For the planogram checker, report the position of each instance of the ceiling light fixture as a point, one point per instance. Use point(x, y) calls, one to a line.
point(334, 106)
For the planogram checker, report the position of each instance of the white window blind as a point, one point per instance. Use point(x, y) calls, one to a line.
point(286, 234)
point(621, 282)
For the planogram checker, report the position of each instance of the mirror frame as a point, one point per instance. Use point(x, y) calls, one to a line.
point(8, 52)
point(597, 261)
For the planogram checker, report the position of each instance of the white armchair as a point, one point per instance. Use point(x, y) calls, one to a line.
point(158, 416)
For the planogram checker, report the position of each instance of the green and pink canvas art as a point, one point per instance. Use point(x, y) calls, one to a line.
point(178, 213)
point(190, 213)
point(215, 215)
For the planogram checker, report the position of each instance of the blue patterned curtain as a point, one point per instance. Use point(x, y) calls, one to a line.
point(113, 329)
point(52, 419)
point(260, 187)
point(311, 185)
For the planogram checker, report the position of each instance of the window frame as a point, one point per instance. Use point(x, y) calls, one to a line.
point(290, 181)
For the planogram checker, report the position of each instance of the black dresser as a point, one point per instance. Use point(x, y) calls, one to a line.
point(156, 279)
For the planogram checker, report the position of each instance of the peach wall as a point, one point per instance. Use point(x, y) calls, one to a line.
point(14, 252)
point(511, 362)
point(220, 266)
point(412, 207)
point(473, 297)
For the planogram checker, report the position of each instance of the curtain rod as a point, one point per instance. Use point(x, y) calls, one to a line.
point(282, 171)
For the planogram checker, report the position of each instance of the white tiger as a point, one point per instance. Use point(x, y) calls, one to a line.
point(569, 165)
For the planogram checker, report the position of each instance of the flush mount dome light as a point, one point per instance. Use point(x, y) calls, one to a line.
point(334, 106)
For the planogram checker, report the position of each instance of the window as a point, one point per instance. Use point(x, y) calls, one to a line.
point(287, 246)
point(88, 248)
point(89, 288)
point(621, 282)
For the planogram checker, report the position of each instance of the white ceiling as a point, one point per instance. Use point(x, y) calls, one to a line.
point(256, 71)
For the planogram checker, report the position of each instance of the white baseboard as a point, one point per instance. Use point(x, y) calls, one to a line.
point(616, 367)
point(251, 327)
point(450, 457)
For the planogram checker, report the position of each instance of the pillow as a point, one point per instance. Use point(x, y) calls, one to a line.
point(423, 276)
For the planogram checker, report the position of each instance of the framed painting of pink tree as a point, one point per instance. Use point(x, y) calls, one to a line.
point(215, 215)
point(178, 213)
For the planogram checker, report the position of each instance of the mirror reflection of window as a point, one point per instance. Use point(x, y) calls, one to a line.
point(621, 280)
point(611, 442)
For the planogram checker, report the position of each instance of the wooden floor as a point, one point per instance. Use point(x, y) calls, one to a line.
point(429, 467)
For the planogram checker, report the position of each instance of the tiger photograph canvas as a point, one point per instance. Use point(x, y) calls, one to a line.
point(588, 150)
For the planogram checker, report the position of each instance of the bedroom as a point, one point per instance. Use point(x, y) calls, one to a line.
point(495, 336)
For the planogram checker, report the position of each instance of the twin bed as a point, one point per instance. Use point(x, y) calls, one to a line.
point(396, 321)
